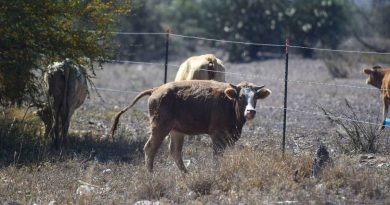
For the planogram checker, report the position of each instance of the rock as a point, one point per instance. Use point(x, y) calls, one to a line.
point(287, 202)
point(191, 195)
point(187, 162)
point(104, 137)
point(381, 164)
point(365, 157)
point(85, 190)
point(147, 202)
point(319, 187)
point(52, 203)
point(384, 165)
point(107, 171)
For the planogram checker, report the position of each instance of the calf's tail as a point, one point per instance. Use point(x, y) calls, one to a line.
point(118, 115)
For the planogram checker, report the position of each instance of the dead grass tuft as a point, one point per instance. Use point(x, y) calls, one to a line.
point(201, 182)
point(151, 186)
point(363, 182)
point(354, 136)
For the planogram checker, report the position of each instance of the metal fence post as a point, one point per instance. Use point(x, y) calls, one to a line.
point(166, 55)
point(285, 99)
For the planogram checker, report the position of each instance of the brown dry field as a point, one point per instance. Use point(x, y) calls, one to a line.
point(252, 172)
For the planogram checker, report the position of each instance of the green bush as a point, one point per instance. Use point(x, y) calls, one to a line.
point(37, 33)
point(305, 22)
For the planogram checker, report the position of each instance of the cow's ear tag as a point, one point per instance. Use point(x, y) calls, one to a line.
point(231, 93)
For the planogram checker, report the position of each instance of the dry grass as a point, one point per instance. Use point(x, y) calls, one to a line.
point(241, 175)
point(355, 136)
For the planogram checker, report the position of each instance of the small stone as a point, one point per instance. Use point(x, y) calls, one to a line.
point(287, 202)
point(101, 125)
point(319, 187)
point(104, 137)
point(107, 171)
point(186, 162)
point(85, 190)
point(53, 202)
point(192, 195)
point(147, 202)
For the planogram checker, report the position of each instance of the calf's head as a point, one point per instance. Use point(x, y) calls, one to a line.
point(246, 95)
point(375, 76)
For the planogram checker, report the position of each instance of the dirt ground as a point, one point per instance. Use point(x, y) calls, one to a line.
point(121, 179)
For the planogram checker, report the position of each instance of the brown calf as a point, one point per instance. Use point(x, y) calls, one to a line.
point(380, 78)
point(196, 107)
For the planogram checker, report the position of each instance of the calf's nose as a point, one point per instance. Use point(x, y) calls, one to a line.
point(250, 114)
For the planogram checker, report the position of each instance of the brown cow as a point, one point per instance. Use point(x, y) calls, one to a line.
point(380, 78)
point(196, 107)
point(67, 89)
point(203, 67)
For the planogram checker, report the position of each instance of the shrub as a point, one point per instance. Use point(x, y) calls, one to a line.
point(354, 135)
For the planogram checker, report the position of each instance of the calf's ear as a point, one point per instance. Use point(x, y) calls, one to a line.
point(368, 71)
point(231, 93)
point(262, 93)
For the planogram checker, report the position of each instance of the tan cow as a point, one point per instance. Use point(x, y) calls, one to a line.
point(203, 67)
point(196, 107)
point(380, 78)
point(67, 89)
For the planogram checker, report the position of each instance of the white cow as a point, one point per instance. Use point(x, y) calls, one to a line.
point(203, 67)
point(67, 88)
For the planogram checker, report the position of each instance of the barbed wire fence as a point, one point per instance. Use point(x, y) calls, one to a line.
point(284, 80)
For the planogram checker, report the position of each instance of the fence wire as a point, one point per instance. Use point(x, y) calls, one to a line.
point(321, 115)
point(306, 83)
point(251, 43)
point(308, 113)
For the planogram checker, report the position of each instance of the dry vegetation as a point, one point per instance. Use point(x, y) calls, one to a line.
point(96, 171)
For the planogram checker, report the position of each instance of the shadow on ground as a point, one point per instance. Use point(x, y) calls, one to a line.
point(84, 149)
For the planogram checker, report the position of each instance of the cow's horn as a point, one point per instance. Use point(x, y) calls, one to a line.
point(259, 87)
point(234, 86)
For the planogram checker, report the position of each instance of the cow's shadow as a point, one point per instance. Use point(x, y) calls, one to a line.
point(78, 149)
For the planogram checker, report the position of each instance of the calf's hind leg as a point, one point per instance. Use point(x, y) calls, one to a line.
point(159, 132)
point(176, 147)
